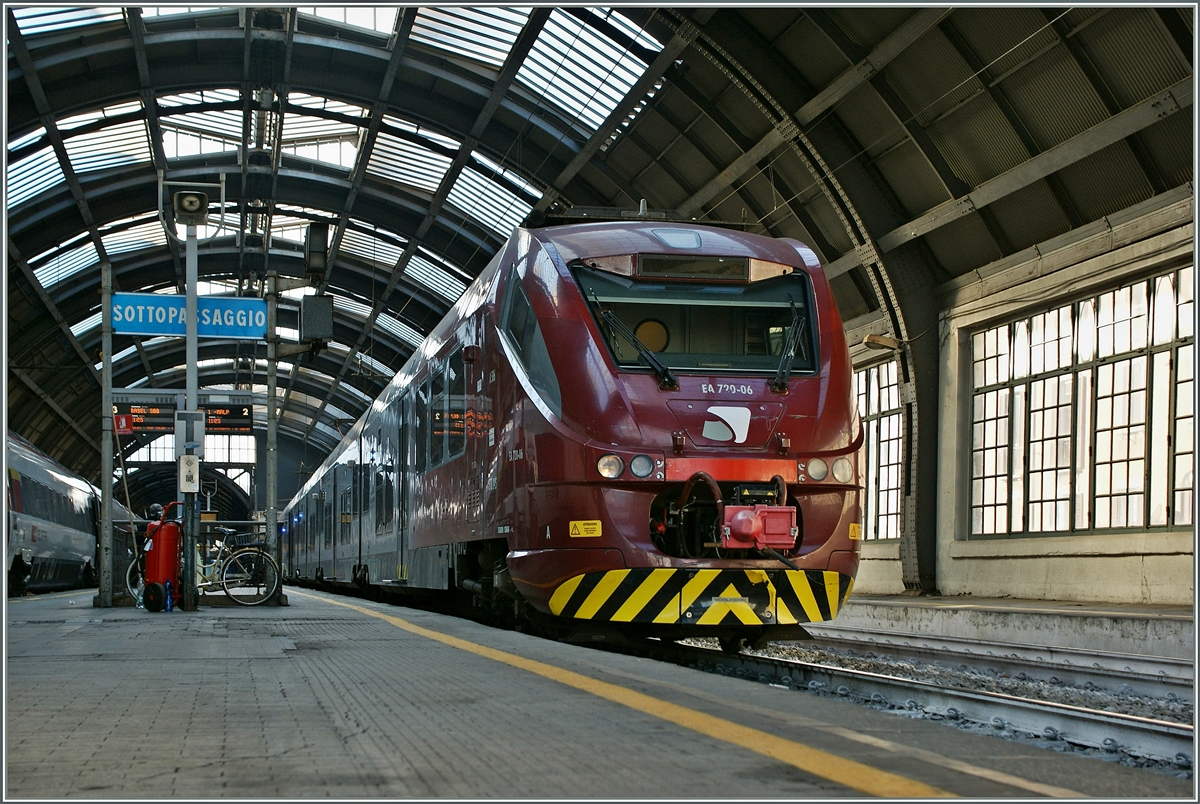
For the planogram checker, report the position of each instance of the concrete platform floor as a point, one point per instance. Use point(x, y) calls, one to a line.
point(341, 698)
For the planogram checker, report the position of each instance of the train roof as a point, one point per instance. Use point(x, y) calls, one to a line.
point(581, 240)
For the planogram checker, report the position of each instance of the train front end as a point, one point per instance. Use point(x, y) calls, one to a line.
point(695, 470)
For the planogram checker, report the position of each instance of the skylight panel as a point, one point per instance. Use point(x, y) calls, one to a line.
point(374, 18)
point(406, 163)
point(66, 264)
point(480, 34)
point(75, 121)
point(117, 358)
point(32, 176)
point(507, 174)
point(145, 235)
point(288, 227)
point(21, 142)
point(165, 11)
point(201, 96)
point(370, 249)
point(33, 21)
point(488, 202)
point(124, 144)
point(333, 142)
point(89, 323)
point(385, 322)
point(413, 128)
point(579, 70)
point(431, 276)
point(190, 133)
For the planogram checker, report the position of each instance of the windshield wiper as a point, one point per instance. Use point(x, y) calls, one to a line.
point(666, 380)
point(789, 349)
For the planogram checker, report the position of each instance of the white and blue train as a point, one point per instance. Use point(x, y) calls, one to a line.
point(53, 522)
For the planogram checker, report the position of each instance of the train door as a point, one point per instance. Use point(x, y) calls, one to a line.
point(478, 418)
point(404, 463)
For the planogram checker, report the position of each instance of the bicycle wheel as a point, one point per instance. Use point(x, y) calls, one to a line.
point(136, 572)
point(250, 577)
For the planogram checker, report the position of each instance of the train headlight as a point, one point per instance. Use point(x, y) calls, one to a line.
point(818, 469)
point(641, 466)
point(610, 466)
point(842, 470)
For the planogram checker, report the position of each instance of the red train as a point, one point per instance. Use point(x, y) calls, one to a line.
point(642, 428)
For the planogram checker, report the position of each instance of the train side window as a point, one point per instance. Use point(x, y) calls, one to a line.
point(521, 328)
point(437, 411)
point(457, 406)
point(421, 420)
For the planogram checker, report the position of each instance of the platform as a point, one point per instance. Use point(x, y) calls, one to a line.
point(1165, 631)
point(338, 697)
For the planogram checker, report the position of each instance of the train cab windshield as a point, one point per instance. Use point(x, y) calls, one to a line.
point(711, 326)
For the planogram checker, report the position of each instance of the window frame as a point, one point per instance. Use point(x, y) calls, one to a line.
point(1083, 458)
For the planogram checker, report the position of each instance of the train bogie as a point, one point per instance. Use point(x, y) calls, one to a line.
point(645, 425)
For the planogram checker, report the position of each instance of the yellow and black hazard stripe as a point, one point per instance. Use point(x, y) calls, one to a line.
point(702, 597)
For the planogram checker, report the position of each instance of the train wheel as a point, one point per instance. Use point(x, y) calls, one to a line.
point(731, 645)
point(154, 597)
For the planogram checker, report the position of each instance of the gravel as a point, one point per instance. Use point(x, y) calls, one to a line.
point(952, 674)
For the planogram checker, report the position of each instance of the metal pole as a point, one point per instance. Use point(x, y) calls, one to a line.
point(105, 598)
point(191, 516)
point(272, 417)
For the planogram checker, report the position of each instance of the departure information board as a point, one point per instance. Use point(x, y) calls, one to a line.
point(229, 418)
point(148, 418)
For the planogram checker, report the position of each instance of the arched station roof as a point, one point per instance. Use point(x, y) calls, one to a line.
point(908, 146)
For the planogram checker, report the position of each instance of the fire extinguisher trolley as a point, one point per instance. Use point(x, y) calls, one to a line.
point(162, 563)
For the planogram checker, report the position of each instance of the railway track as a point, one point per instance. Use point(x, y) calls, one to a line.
point(1154, 676)
point(1142, 737)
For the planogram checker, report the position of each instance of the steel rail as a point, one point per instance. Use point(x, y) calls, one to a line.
point(1156, 676)
point(1110, 731)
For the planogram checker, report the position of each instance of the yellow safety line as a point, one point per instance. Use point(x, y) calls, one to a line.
point(846, 772)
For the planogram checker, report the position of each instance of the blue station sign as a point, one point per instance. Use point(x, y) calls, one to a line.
point(216, 316)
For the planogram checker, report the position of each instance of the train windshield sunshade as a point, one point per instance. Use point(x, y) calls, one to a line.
point(706, 327)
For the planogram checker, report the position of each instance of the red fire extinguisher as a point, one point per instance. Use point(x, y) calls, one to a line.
point(162, 564)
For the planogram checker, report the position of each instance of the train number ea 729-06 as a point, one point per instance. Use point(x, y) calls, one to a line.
point(725, 388)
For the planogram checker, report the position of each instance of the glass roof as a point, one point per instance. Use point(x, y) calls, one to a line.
point(495, 206)
point(362, 311)
point(434, 277)
point(91, 322)
point(371, 250)
point(32, 175)
point(122, 144)
point(211, 131)
point(331, 141)
point(121, 239)
point(405, 162)
point(40, 20)
point(67, 263)
point(574, 70)
point(581, 71)
point(478, 34)
point(376, 18)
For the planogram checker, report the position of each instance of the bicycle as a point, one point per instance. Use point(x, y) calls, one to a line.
point(246, 573)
